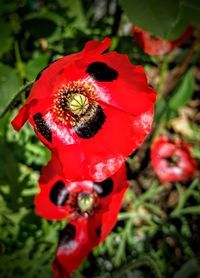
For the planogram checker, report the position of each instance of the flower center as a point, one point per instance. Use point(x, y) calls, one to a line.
point(72, 101)
point(78, 104)
point(173, 160)
point(85, 202)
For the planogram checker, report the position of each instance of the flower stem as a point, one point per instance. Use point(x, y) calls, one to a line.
point(163, 71)
point(19, 63)
point(180, 69)
point(183, 198)
point(145, 260)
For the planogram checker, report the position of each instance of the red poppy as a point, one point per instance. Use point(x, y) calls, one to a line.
point(92, 109)
point(157, 46)
point(91, 207)
point(172, 160)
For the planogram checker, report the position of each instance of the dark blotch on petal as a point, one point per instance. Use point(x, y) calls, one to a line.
point(102, 72)
point(90, 123)
point(59, 194)
point(98, 231)
point(42, 127)
point(67, 235)
point(103, 188)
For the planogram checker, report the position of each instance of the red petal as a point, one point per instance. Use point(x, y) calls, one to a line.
point(158, 46)
point(43, 87)
point(113, 203)
point(90, 231)
point(95, 47)
point(129, 92)
point(21, 118)
point(70, 255)
point(126, 102)
point(163, 149)
point(55, 191)
point(184, 37)
point(149, 44)
point(120, 134)
point(44, 206)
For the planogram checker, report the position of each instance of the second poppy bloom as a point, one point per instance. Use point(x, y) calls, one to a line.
point(92, 109)
point(157, 46)
point(91, 207)
point(172, 160)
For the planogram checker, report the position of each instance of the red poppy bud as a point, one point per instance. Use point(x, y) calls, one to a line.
point(172, 160)
point(92, 209)
point(92, 109)
point(158, 46)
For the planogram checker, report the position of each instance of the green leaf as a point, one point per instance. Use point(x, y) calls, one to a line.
point(9, 83)
point(39, 27)
point(155, 16)
point(183, 92)
point(160, 109)
point(192, 11)
point(190, 269)
point(9, 165)
point(7, 7)
point(179, 27)
point(5, 38)
point(35, 65)
point(75, 12)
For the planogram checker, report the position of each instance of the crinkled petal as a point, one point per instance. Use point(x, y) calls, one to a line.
point(89, 160)
point(101, 138)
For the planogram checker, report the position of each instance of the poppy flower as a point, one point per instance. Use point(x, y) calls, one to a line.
point(92, 109)
point(172, 160)
point(157, 46)
point(91, 207)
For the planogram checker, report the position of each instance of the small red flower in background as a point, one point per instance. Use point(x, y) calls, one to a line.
point(92, 209)
point(172, 160)
point(92, 109)
point(158, 46)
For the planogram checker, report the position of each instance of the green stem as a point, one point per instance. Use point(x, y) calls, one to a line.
point(21, 90)
point(19, 63)
point(128, 215)
point(190, 210)
point(163, 70)
point(183, 197)
point(145, 260)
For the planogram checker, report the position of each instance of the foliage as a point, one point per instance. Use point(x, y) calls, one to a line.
point(157, 219)
point(163, 19)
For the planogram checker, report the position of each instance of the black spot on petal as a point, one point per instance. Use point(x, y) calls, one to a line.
point(42, 127)
point(59, 194)
point(67, 235)
point(90, 123)
point(101, 72)
point(98, 231)
point(103, 188)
